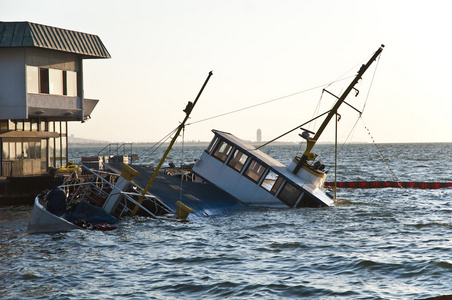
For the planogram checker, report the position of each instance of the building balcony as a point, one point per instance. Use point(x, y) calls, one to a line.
point(64, 108)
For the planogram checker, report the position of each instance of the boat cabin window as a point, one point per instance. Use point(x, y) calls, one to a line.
point(212, 144)
point(254, 171)
point(222, 151)
point(237, 160)
point(276, 186)
point(272, 182)
point(289, 194)
point(307, 201)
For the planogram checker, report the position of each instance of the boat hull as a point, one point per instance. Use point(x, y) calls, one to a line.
point(42, 221)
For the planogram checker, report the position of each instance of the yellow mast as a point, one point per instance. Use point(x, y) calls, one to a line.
point(311, 142)
point(187, 111)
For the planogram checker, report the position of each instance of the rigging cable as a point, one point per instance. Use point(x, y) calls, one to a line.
point(364, 105)
point(370, 87)
point(373, 140)
point(266, 102)
point(368, 131)
point(157, 145)
point(381, 156)
point(365, 102)
point(316, 112)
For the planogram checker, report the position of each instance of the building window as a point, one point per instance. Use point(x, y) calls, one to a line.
point(51, 152)
point(64, 82)
point(70, 83)
point(3, 125)
point(34, 124)
point(44, 81)
point(57, 152)
point(18, 150)
point(19, 125)
point(32, 150)
point(289, 194)
point(11, 125)
point(32, 80)
point(5, 150)
point(55, 82)
point(254, 171)
point(26, 150)
point(12, 151)
point(222, 151)
point(21, 150)
point(42, 126)
point(38, 149)
point(51, 81)
point(57, 127)
point(57, 147)
point(44, 155)
point(237, 160)
point(63, 127)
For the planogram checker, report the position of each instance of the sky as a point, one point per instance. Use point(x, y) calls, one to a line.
point(259, 50)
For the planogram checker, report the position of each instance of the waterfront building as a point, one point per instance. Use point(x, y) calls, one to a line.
point(41, 90)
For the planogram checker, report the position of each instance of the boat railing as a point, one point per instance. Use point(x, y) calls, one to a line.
point(138, 192)
point(101, 184)
point(119, 149)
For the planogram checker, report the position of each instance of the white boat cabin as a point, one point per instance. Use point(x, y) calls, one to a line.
point(257, 179)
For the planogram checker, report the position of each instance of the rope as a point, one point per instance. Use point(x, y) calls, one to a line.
point(157, 145)
point(381, 156)
point(370, 87)
point(316, 112)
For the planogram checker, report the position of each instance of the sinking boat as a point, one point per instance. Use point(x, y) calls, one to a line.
point(44, 220)
point(94, 201)
point(101, 197)
point(231, 174)
point(257, 179)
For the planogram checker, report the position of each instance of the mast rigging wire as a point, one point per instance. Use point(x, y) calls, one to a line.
point(381, 156)
point(364, 105)
point(266, 102)
point(158, 144)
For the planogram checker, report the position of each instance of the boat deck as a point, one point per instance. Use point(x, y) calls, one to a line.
point(204, 199)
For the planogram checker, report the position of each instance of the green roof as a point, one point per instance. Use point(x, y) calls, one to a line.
point(27, 34)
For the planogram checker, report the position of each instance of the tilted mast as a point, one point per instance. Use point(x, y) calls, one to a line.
point(187, 111)
point(311, 141)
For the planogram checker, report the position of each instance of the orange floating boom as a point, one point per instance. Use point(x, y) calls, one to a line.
point(389, 184)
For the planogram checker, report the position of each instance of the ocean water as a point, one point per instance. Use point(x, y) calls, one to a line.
point(374, 244)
